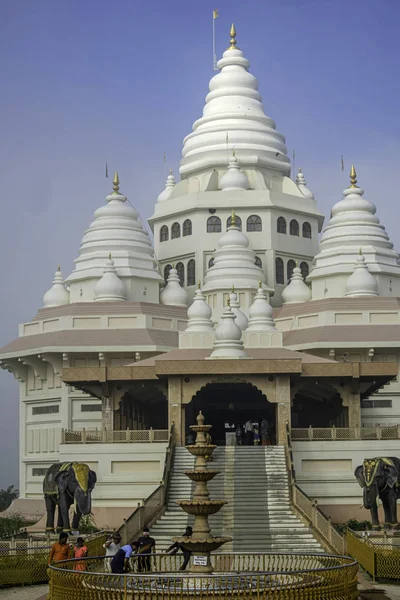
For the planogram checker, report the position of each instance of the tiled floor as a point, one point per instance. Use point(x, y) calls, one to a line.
point(28, 592)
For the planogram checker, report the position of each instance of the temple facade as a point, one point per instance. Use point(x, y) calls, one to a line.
point(235, 308)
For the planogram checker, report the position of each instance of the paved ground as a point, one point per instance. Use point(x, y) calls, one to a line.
point(28, 592)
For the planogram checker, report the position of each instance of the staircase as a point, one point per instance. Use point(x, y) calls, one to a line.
point(258, 516)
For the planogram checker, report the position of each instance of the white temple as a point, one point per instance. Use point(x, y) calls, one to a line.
point(132, 305)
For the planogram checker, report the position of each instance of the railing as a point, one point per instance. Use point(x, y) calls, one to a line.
point(27, 564)
point(339, 434)
point(309, 510)
point(151, 507)
point(274, 576)
point(105, 436)
point(381, 559)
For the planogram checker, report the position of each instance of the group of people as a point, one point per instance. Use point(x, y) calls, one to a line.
point(61, 550)
point(118, 557)
point(252, 434)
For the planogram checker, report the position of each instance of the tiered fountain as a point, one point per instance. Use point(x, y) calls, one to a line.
point(202, 542)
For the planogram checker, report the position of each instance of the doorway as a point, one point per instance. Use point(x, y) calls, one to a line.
point(227, 406)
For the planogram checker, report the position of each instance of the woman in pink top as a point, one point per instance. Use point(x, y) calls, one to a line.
point(80, 551)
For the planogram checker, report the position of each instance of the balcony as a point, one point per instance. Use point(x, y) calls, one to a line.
point(104, 436)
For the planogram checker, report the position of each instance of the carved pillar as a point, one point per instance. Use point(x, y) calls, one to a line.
point(354, 409)
point(107, 409)
point(282, 407)
point(175, 409)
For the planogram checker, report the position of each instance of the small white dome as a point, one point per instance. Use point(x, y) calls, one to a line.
point(234, 178)
point(169, 186)
point(301, 183)
point(228, 337)
point(110, 288)
point(241, 319)
point(260, 313)
point(199, 314)
point(174, 294)
point(297, 290)
point(57, 294)
point(361, 282)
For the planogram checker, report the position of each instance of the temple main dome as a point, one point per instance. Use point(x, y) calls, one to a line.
point(234, 113)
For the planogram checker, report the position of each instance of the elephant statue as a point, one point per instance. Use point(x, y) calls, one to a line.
point(380, 477)
point(65, 484)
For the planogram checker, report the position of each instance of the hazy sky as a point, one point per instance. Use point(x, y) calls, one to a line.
point(87, 81)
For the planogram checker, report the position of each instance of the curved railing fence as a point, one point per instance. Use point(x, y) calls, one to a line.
point(277, 576)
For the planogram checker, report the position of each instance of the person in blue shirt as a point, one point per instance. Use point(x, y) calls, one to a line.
point(120, 562)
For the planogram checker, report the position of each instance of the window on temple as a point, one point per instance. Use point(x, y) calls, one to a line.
point(90, 407)
point(238, 222)
point(164, 234)
point(294, 227)
point(306, 230)
point(187, 227)
point(305, 269)
point(254, 223)
point(175, 231)
point(210, 263)
point(281, 225)
point(191, 272)
point(290, 266)
point(180, 267)
point(279, 271)
point(167, 269)
point(46, 410)
point(258, 262)
point(213, 225)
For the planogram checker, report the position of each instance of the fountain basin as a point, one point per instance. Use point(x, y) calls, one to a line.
point(200, 428)
point(201, 475)
point(202, 544)
point(205, 450)
point(201, 507)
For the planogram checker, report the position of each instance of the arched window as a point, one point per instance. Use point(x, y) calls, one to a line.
point(238, 222)
point(187, 227)
point(290, 266)
point(258, 262)
point(279, 271)
point(307, 230)
point(254, 223)
point(175, 231)
point(164, 234)
point(294, 227)
point(167, 269)
point(213, 225)
point(191, 272)
point(281, 225)
point(210, 263)
point(180, 267)
point(305, 269)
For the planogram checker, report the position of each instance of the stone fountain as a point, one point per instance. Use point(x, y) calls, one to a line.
point(202, 542)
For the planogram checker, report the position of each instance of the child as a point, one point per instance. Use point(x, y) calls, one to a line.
point(80, 551)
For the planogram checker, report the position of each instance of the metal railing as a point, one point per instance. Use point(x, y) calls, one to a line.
point(308, 508)
point(151, 507)
point(274, 576)
point(27, 564)
point(105, 436)
point(339, 434)
point(381, 559)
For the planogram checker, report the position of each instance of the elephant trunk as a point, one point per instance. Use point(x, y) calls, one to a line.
point(370, 495)
point(83, 501)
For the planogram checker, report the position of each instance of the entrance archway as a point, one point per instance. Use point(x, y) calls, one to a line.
point(226, 405)
point(142, 407)
point(318, 405)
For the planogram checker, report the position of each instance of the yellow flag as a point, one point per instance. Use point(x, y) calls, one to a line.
point(215, 13)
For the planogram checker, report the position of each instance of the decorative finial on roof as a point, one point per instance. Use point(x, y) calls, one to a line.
point(233, 153)
point(260, 284)
point(300, 170)
point(199, 284)
point(353, 177)
point(170, 171)
point(228, 302)
point(360, 251)
point(297, 263)
point(109, 256)
point(233, 218)
point(58, 268)
point(116, 183)
point(232, 33)
point(233, 288)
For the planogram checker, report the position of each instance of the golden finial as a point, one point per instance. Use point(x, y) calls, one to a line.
point(360, 251)
point(233, 153)
point(233, 218)
point(109, 256)
point(260, 284)
point(300, 170)
point(199, 285)
point(229, 302)
point(116, 183)
point(170, 171)
point(353, 177)
point(296, 263)
point(58, 268)
point(232, 33)
point(173, 265)
point(233, 289)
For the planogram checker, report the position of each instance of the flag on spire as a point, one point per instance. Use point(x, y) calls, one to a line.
point(215, 13)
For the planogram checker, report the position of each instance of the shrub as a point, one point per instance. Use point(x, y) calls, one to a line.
point(354, 525)
point(10, 525)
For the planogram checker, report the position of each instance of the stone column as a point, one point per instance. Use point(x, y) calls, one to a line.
point(175, 409)
point(354, 408)
point(107, 410)
point(283, 407)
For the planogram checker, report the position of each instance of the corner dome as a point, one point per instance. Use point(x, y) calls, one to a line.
point(110, 288)
point(234, 108)
point(57, 294)
point(199, 314)
point(302, 185)
point(261, 313)
point(169, 186)
point(361, 282)
point(174, 294)
point(234, 178)
point(297, 290)
point(241, 319)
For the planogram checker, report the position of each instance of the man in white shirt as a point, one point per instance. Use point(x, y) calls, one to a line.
point(112, 546)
